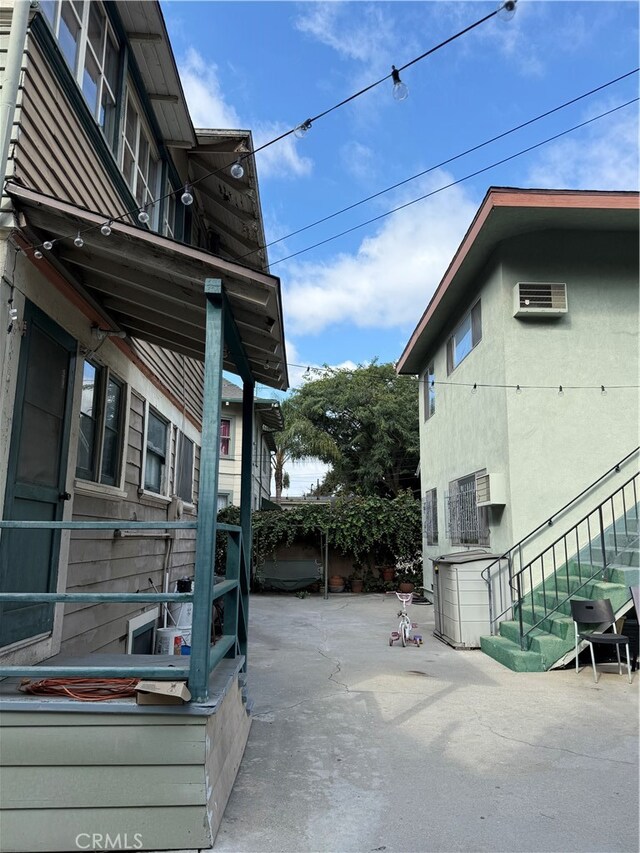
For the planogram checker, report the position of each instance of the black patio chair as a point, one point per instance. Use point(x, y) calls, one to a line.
point(598, 612)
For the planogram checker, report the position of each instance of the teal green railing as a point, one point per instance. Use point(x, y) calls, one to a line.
point(205, 654)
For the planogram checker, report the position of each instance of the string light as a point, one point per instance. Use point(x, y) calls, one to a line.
point(37, 254)
point(603, 390)
point(143, 216)
point(237, 170)
point(560, 391)
point(518, 389)
point(302, 129)
point(400, 89)
point(475, 388)
point(507, 10)
point(79, 242)
point(48, 245)
point(105, 229)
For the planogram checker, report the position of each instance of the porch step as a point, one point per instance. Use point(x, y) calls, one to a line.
point(511, 655)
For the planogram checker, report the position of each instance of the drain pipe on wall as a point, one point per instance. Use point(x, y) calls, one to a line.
point(11, 86)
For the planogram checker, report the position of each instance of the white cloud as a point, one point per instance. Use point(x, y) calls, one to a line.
point(603, 157)
point(389, 280)
point(209, 109)
point(363, 38)
point(281, 160)
point(202, 90)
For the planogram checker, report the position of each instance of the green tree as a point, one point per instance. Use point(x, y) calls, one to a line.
point(364, 422)
point(298, 440)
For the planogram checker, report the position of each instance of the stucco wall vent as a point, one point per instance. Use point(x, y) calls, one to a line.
point(539, 299)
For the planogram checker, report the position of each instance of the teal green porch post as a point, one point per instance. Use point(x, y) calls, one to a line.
point(208, 493)
point(245, 512)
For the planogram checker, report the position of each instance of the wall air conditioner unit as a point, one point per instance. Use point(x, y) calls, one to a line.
point(539, 299)
point(491, 490)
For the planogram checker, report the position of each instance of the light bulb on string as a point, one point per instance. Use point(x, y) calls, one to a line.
point(475, 388)
point(400, 89)
point(186, 198)
point(237, 170)
point(560, 391)
point(302, 129)
point(603, 390)
point(105, 229)
point(518, 389)
point(143, 216)
point(13, 314)
point(507, 10)
point(37, 254)
point(79, 242)
point(48, 245)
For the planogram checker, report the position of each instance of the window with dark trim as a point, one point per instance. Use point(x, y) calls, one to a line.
point(184, 469)
point(468, 524)
point(467, 335)
point(139, 162)
point(429, 392)
point(430, 517)
point(156, 453)
point(101, 432)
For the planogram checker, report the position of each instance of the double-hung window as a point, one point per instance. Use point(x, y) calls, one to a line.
point(156, 453)
point(225, 437)
point(101, 426)
point(90, 48)
point(466, 336)
point(140, 164)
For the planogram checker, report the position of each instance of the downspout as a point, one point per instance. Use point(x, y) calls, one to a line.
point(11, 85)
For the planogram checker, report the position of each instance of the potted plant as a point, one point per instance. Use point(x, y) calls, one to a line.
point(357, 578)
point(336, 583)
point(409, 572)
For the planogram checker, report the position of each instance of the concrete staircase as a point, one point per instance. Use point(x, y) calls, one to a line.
point(551, 643)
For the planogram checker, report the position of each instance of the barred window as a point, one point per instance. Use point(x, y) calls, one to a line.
point(467, 523)
point(430, 517)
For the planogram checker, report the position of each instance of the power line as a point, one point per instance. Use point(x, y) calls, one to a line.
point(455, 183)
point(441, 164)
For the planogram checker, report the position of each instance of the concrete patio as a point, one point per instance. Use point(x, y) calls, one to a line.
point(358, 746)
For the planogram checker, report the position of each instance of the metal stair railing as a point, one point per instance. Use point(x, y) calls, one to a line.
point(507, 594)
point(549, 611)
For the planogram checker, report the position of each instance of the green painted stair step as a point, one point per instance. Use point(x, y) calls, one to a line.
point(549, 646)
point(510, 654)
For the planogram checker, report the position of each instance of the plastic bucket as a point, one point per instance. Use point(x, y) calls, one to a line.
point(169, 641)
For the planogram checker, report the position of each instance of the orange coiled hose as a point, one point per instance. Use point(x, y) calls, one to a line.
point(83, 689)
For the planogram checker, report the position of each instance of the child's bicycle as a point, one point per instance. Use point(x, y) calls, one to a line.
point(406, 625)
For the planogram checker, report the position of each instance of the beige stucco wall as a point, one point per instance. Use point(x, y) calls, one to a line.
point(549, 447)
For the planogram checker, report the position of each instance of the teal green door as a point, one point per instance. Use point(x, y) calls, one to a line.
point(36, 473)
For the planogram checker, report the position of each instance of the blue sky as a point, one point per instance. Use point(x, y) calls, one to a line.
point(267, 66)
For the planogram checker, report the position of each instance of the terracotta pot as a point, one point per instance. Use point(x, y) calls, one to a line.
point(336, 580)
point(405, 586)
point(357, 585)
point(388, 573)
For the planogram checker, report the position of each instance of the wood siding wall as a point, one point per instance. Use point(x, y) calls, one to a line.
point(99, 561)
point(161, 779)
point(53, 154)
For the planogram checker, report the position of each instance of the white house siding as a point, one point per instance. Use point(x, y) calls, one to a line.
point(548, 447)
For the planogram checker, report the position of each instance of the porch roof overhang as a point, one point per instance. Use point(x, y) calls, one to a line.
point(506, 213)
point(152, 288)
